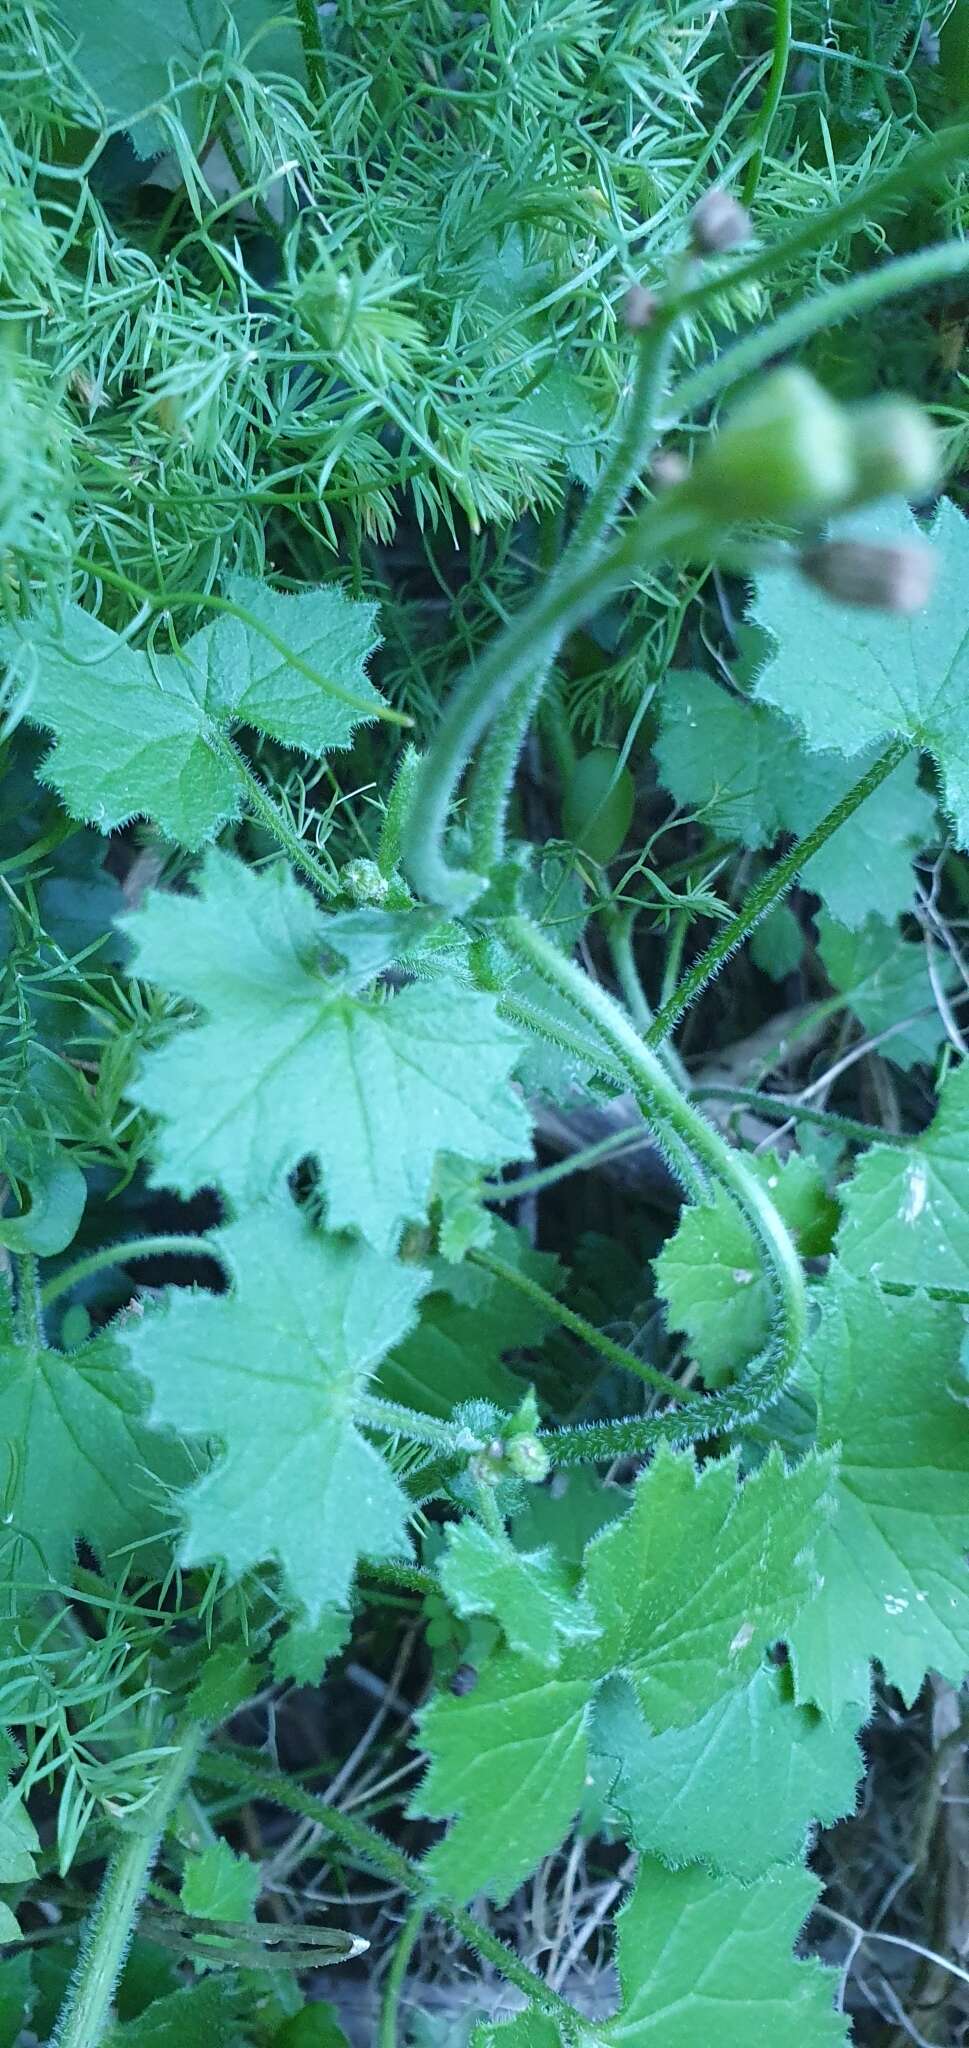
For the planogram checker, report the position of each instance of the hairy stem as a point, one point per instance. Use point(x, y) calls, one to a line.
point(787, 1109)
point(271, 814)
point(871, 197)
point(165, 1245)
point(769, 891)
point(566, 1318)
point(86, 2011)
point(399, 1420)
point(376, 1853)
point(772, 97)
point(28, 1303)
point(491, 788)
point(809, 316)
point(669, 1113)
point(314, 55)
point(527, 644)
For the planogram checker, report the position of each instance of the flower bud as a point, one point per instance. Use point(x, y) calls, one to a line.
point(527, 1458)
point(719, 222)
point(639, 308)
point(784, 453)
point(895, 448)
point(363, 882)
point(888, 579)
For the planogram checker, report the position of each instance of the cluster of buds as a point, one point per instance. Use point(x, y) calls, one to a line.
point(518, 1453)
point(789, 452)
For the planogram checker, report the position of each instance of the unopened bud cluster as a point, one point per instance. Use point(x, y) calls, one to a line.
point(789, 452)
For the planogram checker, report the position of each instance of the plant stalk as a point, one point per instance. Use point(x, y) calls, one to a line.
point(668, 1112)
point(773, 886)
point(376, 1853)
point(124, 1254)
point(772, 97)
point(86, 2011)
point(567, 1319)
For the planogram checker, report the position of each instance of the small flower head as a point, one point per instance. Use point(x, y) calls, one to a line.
point(719, 222)
point(639, 308)
point(888, 579)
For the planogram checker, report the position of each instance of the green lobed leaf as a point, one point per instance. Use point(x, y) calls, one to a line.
point(141, 734)
point(747, 772)
point(739, 1789)
point(203, 2015)
point(710, 1271)
point(854, 678)
point(509, 1759)
point(82, 1461)
point(219, 1885)
point(527, 1592)
point(688, 1589)
point(133, 57)
point(703, 1958)
point(885, 981)
point(702, 1575)
point(906, 1212)
point(893, 1397)
point(272, 1369)
point(291, 1063)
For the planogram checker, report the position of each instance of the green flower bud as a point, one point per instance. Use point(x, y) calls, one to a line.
point(785, 453)
point(363, 882)
point(895, 448)
point(527, 1458)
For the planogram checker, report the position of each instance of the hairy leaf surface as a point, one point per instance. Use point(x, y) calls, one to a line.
point(892, 1395)
point(703, 1958)
point(146, 734)
point(272, 1370)
point(292, 1062)
point(740, 1788)
point(854, 678)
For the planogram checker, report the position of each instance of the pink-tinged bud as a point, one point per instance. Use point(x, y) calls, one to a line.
point(668, 468)
point(639, 308)
point(718, 223)
point(887, 579)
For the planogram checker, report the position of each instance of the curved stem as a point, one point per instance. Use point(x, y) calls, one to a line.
point(270, 814)
point(669, 1112)
point(388, 2036)
point(772, 96)
point(163, 1246)
point(769, 891)
point(527, 643)
point(491, 789)
point(567, 1319)
point(808, 316)
point(86, 2011)
point(375, 1852)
